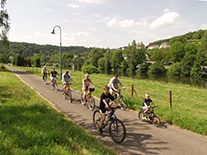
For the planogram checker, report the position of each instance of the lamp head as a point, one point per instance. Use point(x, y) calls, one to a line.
point(53, 32)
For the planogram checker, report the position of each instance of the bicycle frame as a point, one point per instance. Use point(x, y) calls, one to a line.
point(109, 118)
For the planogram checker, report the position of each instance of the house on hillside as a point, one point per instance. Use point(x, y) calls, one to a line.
point(165, 45)
point(152, 47)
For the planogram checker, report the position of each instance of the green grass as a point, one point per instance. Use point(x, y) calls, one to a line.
point(29, 125)
point(189, 103)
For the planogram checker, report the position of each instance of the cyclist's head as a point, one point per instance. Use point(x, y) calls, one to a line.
point(87, 76)
point(106, 89)
point(147, 96)
point(44, 66)
point(116, 76)
point(53, 69)
point(66, 72)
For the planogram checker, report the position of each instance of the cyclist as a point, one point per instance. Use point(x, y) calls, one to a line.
point(66, 77)
point(104, 105)
point(113, 84)
point(146, 104)
point(44, 72)
point(86, 83)
point(53, 76)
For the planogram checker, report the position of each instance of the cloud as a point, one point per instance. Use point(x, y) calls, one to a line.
point(122, 24)
point(166, 19)
point(72, 5)
point(202, 0)
point(91, 1)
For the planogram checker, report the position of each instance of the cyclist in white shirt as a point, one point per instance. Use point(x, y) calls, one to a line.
point(66, 77)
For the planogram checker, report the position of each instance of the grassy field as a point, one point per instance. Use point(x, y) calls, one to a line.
point(29, 125)
point(189, 104)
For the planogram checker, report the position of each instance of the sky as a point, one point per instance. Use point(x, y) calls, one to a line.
point(103, 23)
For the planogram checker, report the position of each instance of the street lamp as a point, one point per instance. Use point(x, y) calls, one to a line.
point(53, 32)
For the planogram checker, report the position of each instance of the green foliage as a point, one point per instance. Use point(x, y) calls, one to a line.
point(143, 68)
point(101, 64)
point(157, 67)
point(116, 59)
point(134, 55)
point(95, 55)
point(36, 60)
point(202, 52)
point(177, 51)
point(107, 57)
point(90, 69)
point(175, 68)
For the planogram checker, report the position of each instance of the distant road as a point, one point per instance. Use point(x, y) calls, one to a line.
point(142, 138)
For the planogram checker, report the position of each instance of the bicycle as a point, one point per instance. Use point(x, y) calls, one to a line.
point(90, 100)
point(117, 129)
point(45, 78)
point(69, 93)
point(121, 99)
point(150, 116)
point(54, 85)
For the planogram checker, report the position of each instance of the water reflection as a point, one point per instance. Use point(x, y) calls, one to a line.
point(166, 77)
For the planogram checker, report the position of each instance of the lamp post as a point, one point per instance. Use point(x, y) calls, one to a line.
point(53, 32)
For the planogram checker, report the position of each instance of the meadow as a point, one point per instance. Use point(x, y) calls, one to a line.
point(30, 125)
point(189, 103)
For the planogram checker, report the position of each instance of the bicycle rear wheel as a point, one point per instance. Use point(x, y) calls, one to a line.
point(82, 95)
point(156, 120)
point(97, 119)
point(122, 100)
point(117, 130)
point(91, 104)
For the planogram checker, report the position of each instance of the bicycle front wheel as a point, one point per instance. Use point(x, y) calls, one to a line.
point(140, 115)
point(91, 104)
point(156, 120)
point(117, 130)
point(97, 119)
point(70, 96)
point(122, 100)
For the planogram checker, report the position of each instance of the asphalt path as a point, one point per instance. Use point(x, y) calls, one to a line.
point(141, 137)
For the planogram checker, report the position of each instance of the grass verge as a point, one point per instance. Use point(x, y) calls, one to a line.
point(189, 103)
point(29, 125)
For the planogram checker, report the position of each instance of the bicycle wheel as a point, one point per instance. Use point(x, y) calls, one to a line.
point(97, 119)
point(140, 115)
point(82, 99)
point(156, 120)
point(91, 104)
point(122, 100)
point(117, 130)
point(70, 96)
point(56, 88)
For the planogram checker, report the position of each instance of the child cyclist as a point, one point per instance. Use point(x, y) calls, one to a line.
point(146, 103)
point(104, 105)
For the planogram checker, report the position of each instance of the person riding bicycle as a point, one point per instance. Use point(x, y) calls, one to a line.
point(146, 104)
point(66, 77)
point(44, 72)
point(113, 84)
point(86, 83)
point(104, 105)
point(53, 76)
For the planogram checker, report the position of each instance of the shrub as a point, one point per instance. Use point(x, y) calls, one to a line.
point(157, 67)
point(90, 69)
point(175, 68)
point(143, 68)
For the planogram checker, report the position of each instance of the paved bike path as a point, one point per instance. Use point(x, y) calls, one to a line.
point(141, 137)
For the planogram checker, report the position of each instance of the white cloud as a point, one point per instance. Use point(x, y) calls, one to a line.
point(122, 24)
point(203, 26)
point(202, 0)
point(72, 5)
point(166, 19)
point(91, 1)
point(166, 10)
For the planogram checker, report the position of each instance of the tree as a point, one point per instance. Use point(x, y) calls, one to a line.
point(101, 64)
point(107, 57)
point(177, 51)
point(4, 24)
point(202, 51)
point(116, 59)
point(95, 55)
point(134, 56)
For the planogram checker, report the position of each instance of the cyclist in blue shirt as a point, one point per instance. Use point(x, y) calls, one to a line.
point(146, 103)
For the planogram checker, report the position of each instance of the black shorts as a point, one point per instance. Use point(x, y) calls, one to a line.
point(102, 108)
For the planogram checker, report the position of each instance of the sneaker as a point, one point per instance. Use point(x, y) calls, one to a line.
point(101, 131)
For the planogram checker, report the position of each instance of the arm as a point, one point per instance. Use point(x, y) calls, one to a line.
point(117, 102)
point(154, 104)
point(104, 101)
point(92, 83)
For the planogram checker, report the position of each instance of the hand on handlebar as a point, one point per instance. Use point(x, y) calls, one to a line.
point(124, 88)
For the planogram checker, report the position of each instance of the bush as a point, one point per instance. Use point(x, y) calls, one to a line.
point(90, 69)
point(157, 67)
point(143, 68)
point(175, 68)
